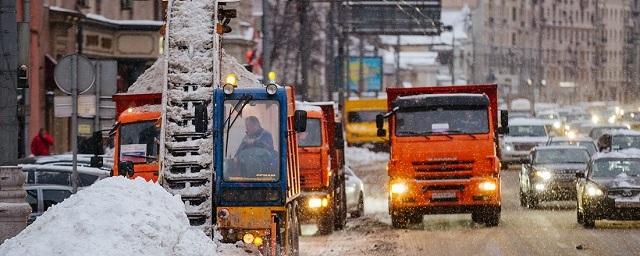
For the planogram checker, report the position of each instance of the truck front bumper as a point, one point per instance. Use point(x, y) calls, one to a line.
point(313, 205)
point(447, 196)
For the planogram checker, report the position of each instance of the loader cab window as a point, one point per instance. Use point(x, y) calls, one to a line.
point(312, 137)
point(441, 120)
point(363, 116)
point(139, 142)
point(251, 139)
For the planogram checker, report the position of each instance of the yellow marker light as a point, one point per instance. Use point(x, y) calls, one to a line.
point(232, 79)
point(258, 241)
point(325, 202)
point(248, 238)
point(272, 76)
point(594, 191)
point(488, 186)
point(399, 188)
point(129, 110)
point(315, 202)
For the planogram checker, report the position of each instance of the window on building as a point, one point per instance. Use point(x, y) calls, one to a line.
point(82, 3)
point(126, 4)
point(92, 40)
point(513, 14)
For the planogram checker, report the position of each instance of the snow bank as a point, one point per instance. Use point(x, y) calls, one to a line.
point(115, 216)
point(362, 156)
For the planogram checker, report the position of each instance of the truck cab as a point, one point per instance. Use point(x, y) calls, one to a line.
point(322, 176)
point(360, 127)
point(257, 178)
point(443, 153)
point(137, 135)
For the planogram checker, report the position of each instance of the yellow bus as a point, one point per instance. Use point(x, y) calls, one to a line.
point(360, 122)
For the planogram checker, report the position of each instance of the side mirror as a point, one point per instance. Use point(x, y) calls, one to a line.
point(96, 139)
point(379, 121)
point(580, 175)
point(125, 169)
point(201, 120)
point(382, 133)
point(96, 161)
point(504, 122)
point(339, 136)
point(300, 121)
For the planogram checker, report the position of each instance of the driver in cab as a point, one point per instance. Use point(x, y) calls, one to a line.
point(255, 157)
point(256, 136)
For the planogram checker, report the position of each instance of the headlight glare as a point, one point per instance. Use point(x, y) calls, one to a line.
point(399, 188)
point(545, 175)
point(593, 191)
point(488, 186)
point(315, 202)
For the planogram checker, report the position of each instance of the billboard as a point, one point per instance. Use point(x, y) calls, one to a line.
point(371, 73)
point(393, 17)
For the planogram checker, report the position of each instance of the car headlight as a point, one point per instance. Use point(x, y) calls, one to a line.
point(488, 186)
point(399, 188)
point(545, 175)
point(508, 147)
point(557, 125)
point(593, 191)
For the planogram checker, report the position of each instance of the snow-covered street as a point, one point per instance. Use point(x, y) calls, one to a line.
point(550, 230)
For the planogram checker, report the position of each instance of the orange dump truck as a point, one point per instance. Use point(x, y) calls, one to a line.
point(321, 154)
point(443, 152)
point(137, 135)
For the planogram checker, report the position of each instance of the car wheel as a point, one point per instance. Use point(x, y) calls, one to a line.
point(359, 212)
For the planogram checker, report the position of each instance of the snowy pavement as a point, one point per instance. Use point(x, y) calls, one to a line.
point(549, 230)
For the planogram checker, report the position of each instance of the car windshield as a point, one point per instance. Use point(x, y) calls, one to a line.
point(139, 142)
point(590, 146)
point(312, 137)
point(421, 121)
point(527, 131)
point(624, 142)
point(561, 156)
point(363, 116)
point(609, 168)
point(252, 140)
point(53, 177)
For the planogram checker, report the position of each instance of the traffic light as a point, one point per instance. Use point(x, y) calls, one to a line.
point(23, 78)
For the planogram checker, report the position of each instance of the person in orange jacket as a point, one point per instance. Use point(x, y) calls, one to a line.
point(41, 143)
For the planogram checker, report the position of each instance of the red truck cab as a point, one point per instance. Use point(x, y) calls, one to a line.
point(137, 135)
point(321, 154)
point(444, 152)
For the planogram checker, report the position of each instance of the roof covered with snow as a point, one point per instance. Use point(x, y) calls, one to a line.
point(527, 121)
point(623, 132)
point(626, 153)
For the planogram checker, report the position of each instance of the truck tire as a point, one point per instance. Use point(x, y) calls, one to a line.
point(415, 218)
point(326, 223)
point(341, 206)
point(293, 227)
point(588, 220)
point(491, 217)
point(359, 212)
point(399, 220)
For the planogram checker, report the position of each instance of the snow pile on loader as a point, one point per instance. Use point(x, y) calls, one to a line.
point(116, 216)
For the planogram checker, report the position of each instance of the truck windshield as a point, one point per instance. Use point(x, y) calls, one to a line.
point(139, 142)
point(420, 121)
point(609, 168)
point(251, 139)
point(527, 131)
point(625, 142)
point(312, 137)
point(363, 116)
point(561, 156)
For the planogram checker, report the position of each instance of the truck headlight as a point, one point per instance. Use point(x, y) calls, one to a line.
point(545, 175)
point(315, 202)
point(593, 190)
point(228, 89)
point(272, 89)
point(248, 238)
point(399, 188)
point(488, 186)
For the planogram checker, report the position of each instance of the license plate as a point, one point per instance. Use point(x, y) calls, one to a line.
point(443, 195)
point(627, 204)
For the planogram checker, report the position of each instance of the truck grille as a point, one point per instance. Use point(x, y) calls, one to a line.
point(624, 192)
point(443, 169)
point(310, 180)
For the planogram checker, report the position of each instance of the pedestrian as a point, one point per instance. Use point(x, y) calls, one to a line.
point(41, 143)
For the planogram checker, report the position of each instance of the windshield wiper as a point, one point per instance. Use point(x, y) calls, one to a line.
point(439, 133)
point(414, 133)
point(461, 132)
point(244, 101)
point(145, 157)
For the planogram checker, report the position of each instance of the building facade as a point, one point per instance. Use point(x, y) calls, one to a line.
point(558, 51)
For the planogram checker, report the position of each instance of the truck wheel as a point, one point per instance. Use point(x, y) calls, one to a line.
point(399, 220)
point(588, 220)
point(359, 212)
point(492, 217)
point(415, 218)
point(326, 223)
point(341, 214)
point(292, 234)
point(476, 216)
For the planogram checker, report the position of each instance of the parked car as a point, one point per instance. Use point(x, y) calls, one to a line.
point(584, 142)
point(41, 197)
point(355, 194)
point(615, 140)
point(610, 188)
point(551, 174)
point(61, 175)
point(524, 135)
point(67, 160)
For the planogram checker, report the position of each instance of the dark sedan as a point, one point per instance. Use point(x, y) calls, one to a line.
point(551, 174)
point(610, 189)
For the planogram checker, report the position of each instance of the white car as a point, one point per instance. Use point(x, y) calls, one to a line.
point(44, 174)
point(355, 193)
point(524, 134)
